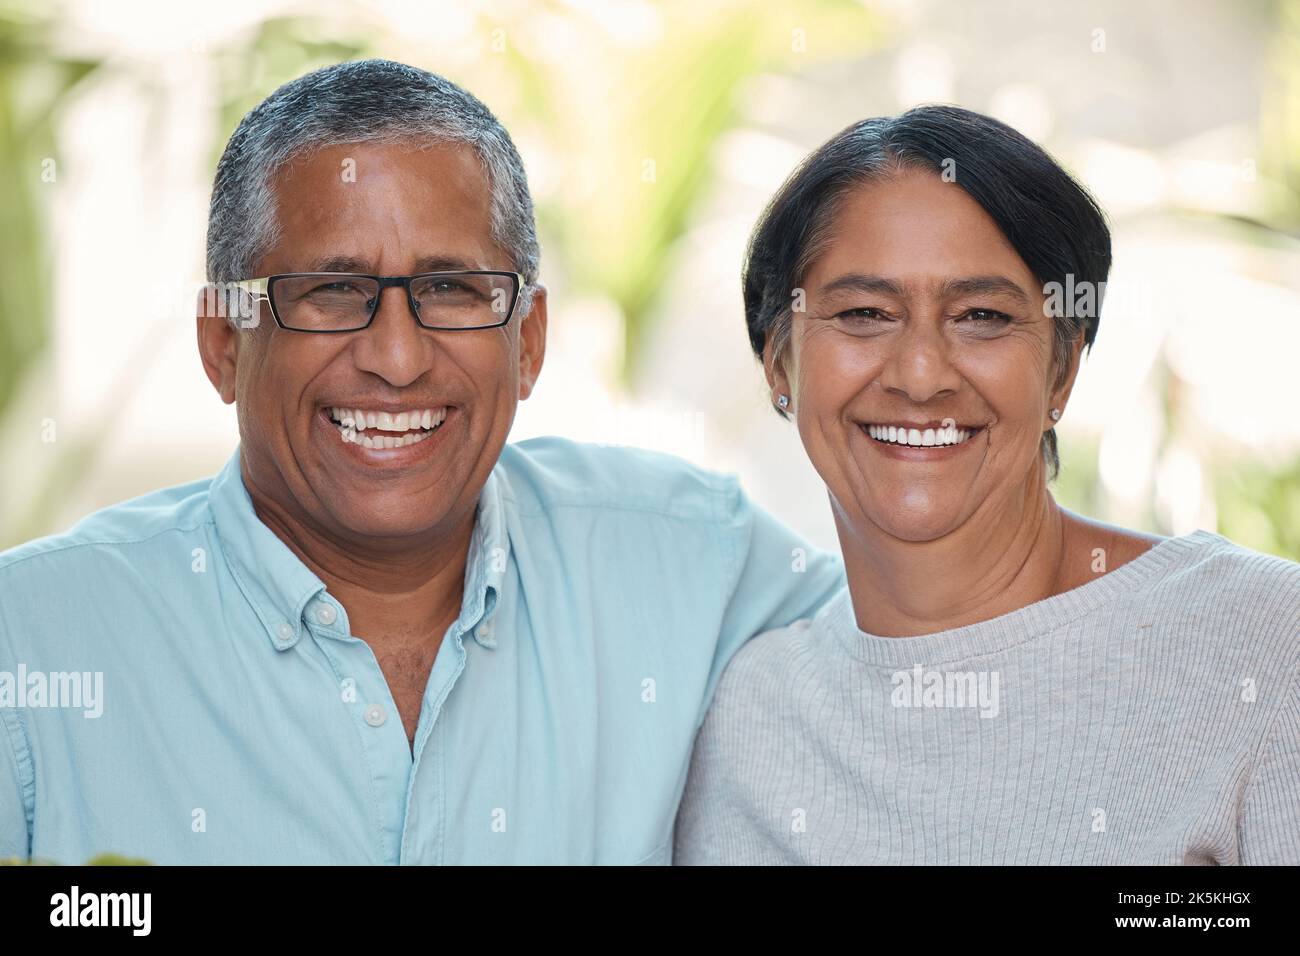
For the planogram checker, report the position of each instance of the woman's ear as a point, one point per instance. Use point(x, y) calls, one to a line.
point(1061, 395)
point(778, 381)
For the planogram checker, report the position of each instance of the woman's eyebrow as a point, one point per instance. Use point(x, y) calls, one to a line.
point(949, 288)
point(978, 285)
point(859, 282)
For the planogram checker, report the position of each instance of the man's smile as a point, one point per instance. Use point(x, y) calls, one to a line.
point(382, 429)
point(385, 437)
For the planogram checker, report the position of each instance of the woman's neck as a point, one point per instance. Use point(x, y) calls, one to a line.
point(992, 565)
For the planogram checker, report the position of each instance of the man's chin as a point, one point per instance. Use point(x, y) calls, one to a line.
point(401, 521)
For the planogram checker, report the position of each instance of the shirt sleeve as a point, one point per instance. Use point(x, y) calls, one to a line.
point(1270, 813)
point(14, 779)
point(777, 576)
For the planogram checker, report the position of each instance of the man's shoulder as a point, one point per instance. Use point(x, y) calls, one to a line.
point(125, 526)
point(792, 661)
point(549, 473)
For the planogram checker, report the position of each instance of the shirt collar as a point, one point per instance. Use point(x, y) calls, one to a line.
point(279, 586)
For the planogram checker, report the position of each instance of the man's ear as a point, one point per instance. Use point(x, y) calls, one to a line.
point(532, 342)
point(778, 381)
point(218, 344)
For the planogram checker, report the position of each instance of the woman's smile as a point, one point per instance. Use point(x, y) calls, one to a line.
point(920, 441)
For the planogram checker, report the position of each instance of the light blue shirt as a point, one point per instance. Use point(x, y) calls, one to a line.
point(240, 721)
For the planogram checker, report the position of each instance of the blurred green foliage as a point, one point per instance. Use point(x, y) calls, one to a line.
point(103, 859)
point(1280, 120)
point(33, 82)
point(1260, 507)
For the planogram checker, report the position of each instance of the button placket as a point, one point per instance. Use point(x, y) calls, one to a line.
point(423, 831)
point(364, 694)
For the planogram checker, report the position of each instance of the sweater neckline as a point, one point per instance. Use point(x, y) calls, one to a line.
point(1014, 627)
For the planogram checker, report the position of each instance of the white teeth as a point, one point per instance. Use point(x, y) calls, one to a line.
point(403, 428)
point(383, 441)
point(947, 435)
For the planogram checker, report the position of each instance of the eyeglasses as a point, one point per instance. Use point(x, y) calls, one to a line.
point(347, 302)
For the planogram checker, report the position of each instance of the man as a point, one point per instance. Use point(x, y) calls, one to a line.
point(380, 634)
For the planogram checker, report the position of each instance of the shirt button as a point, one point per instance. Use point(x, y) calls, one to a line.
point(484, 630)
point(285, 631)
point(326, 614)
point(375, 715)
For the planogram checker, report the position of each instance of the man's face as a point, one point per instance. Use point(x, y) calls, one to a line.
point(407, 210)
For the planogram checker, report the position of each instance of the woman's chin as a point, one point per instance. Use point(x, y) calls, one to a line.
point(910, 520)
point(916, 531)
point(916, 510)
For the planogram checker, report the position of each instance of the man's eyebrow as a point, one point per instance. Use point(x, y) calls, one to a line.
point(437, 263)
point(337, 264)
point(971, 285)
point(444, 264)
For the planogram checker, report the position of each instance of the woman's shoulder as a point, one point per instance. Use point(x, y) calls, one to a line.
point(1221, 565)
point(1233, 566)
point(1211, 598)
point(1257, 579)
point(1087, 540)
point(1240, 604)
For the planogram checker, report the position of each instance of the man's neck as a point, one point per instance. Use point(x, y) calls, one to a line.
point(395, 595)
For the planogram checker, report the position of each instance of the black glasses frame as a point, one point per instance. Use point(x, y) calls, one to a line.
point(267, 292)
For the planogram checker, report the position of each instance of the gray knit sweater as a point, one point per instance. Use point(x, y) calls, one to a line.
point(1149, 716)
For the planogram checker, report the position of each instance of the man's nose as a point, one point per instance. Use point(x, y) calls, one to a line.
point(394, 346)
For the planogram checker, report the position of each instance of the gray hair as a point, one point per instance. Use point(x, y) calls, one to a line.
point(361, 101)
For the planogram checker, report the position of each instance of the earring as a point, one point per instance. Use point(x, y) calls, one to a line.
point(783, 401)
point(1056, 414)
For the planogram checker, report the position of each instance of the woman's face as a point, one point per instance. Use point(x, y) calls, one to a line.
point(917, 313)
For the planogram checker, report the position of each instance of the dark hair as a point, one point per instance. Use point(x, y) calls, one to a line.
point(1050, 220)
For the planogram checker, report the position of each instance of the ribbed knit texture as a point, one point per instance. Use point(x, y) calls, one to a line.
point(1149, 716)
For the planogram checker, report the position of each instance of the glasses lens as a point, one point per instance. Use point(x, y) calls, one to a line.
point(459, 300)
point(324, 302)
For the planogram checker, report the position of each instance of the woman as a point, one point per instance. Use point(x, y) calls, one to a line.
point(1002, 681)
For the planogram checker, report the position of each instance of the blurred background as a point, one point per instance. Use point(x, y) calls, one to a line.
point(653, 134)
